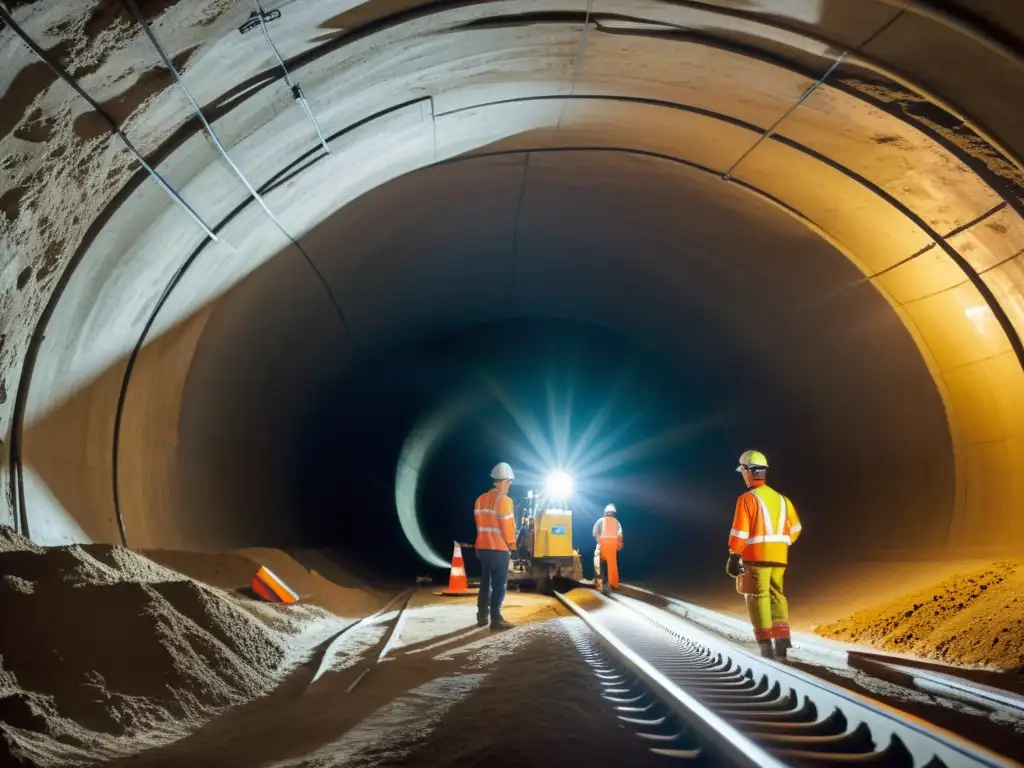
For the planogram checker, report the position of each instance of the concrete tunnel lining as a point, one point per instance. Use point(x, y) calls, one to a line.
point(970, 357)
point(571, 232)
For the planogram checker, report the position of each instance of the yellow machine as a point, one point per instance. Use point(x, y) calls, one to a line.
point(544, 545)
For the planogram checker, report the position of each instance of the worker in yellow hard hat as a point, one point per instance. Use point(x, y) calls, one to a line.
point(764, 526)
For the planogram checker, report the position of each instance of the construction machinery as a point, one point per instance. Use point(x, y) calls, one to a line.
point(544, 550)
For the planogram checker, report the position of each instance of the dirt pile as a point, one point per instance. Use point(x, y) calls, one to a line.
point(104, 652)
point(975, 618)
point(340, 592)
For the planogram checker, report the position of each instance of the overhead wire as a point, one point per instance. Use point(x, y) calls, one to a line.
point(115, 128)
point(134, 9)
point(775, 126)
point(296, 89)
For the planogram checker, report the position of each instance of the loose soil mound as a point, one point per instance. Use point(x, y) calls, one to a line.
point(973, 619)
point(104, 652)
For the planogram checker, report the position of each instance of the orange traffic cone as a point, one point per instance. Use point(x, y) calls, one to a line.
point(458, 584)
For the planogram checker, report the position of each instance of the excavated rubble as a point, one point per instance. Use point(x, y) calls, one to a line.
point(973, 619)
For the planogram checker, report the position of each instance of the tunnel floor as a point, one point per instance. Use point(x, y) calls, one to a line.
point(127, 662)
point(165, 660)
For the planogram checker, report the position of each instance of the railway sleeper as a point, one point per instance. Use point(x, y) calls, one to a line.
point(781, 708)
point(635, 706)
point(856, 741)
point(772, 694)
point(834, 723)
point(894, 755)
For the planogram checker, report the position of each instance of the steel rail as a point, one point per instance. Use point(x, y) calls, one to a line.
point(938, 679)
point(391, 637)
point(927, 678)
point(714, 731)
point(401, 600)
point(791, 713)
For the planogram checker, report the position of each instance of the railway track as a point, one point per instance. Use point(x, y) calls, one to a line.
point(699, 699)
point(393, 614)
point(939, 681)
point(986, 690)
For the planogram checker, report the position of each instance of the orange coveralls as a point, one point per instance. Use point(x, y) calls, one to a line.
point(608, 532)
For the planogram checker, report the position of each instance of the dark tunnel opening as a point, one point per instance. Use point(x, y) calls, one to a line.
point(546, 395)
point(290, 435)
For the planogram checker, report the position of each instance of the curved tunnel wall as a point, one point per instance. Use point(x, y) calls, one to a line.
point(715, 284)
point(894, 193)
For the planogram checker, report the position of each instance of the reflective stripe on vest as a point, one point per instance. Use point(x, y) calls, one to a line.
point(488, 521)
point(772, 534)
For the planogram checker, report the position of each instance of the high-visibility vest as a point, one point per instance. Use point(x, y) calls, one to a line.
point(608, 529)
point(764, 526)
point(494, 529)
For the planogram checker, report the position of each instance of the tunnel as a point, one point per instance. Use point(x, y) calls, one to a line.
point(631, 237)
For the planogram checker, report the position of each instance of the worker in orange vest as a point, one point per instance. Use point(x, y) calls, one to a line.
point(608, 533)
point(764, 525)
point(494, 512)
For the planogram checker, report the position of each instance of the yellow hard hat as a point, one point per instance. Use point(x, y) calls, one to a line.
point(752, 459)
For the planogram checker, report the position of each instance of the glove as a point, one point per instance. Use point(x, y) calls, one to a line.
point(734, 566)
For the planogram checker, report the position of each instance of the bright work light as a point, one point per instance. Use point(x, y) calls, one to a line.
point(559, 484)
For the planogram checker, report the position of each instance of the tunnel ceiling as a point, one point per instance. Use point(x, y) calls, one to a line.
point(784, 141)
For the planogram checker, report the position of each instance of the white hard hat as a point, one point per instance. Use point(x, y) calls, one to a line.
point(502, 471)
point(610, 509)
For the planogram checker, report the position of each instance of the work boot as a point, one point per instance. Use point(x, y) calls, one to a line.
point(481, 621)
point(501, 625)
point(782, 646)
point(766, 649)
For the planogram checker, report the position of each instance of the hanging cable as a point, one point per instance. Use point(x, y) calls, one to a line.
point(114, 127)
point(775, 126)
point(297, 93)
point(231, 163)
point(578, 64)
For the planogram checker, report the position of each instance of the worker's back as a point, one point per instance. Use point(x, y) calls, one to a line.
point(494, 515)
point(607, 527)
point(765, 525)
point(608, 532)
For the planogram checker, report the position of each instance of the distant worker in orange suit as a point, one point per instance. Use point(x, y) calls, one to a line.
point(608, 533)
point(494, 512)
point(764, 526)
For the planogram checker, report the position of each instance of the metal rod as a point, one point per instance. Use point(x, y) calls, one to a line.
point(358, 680)
point(199, 113)
point(114, 127)
point(806, 95)
point(296, 88)
point(231, 163)
point(578, 64)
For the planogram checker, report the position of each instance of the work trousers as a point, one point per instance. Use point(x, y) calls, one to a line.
point(766, 601)
point(609, 564)
point(493, 581)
